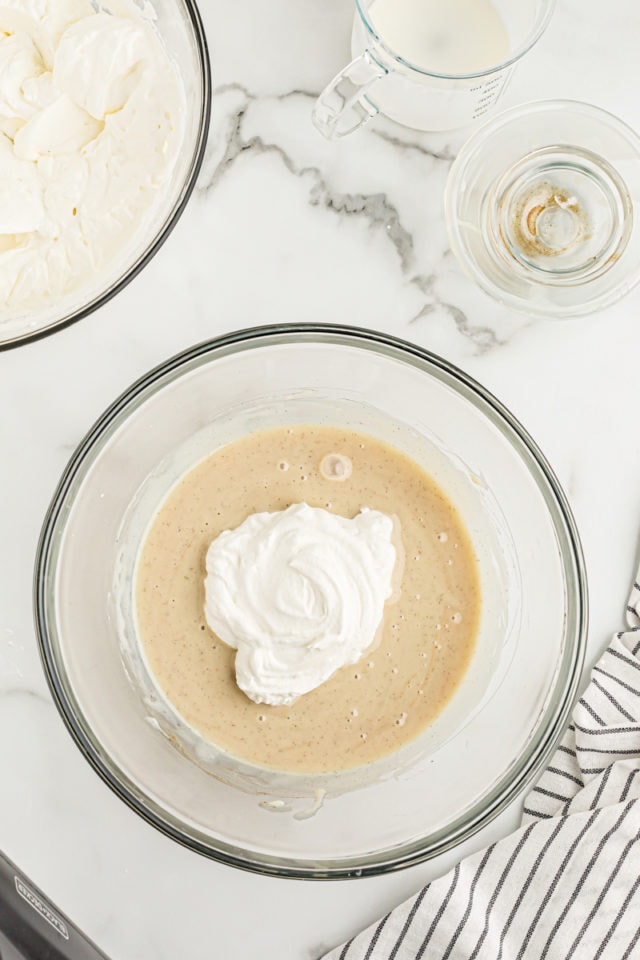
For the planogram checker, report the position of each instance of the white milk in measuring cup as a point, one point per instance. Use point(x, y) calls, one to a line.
point(429, 64)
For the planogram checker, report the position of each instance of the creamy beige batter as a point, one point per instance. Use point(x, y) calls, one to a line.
point(363, 712)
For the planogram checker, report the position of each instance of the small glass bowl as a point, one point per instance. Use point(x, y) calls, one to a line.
point(540, 208)
point(502, 723)
point(180, 28)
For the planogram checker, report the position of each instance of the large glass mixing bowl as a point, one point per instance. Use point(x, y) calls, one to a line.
point(179, 26)
point(501, 725)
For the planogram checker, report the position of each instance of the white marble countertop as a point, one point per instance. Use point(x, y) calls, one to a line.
point(285, 226)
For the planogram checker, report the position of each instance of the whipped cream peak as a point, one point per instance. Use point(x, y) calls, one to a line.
point(99, 60)
point(298, 593)
point(62, 127)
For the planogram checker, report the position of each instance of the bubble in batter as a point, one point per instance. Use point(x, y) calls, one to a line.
point(335, 466)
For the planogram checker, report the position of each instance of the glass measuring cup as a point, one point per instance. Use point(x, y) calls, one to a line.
point(429, 64)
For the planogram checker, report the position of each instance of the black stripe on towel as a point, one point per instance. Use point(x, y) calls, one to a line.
point(610, 731)
point(465, 915)
point(374, 938)
point(556, 880)
point(498, 888)
point(523, 891)
point(610, 697)
point(441, 909)
point(345, 949)
point(616, 920)
point(625, 659)
point(408, 922)
point(586, 706)
point(601, 786)
point(605, 889)
point(583, 879)
point(627, 786)
point(627, 686)
point(550, 793)
point(564, 773)
point(631, 948)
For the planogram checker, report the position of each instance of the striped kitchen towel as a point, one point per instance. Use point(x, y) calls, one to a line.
point(565, 886)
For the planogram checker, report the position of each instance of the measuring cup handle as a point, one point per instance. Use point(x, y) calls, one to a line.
point(343, 105)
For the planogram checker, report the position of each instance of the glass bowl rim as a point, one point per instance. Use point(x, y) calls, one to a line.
point(568, 669)
point(173, 215)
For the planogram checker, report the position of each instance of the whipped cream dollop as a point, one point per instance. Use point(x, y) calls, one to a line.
point(90, 129)
point(299, 593)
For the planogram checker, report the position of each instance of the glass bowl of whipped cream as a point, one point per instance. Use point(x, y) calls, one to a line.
point(104, 113)
point(329, 620)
